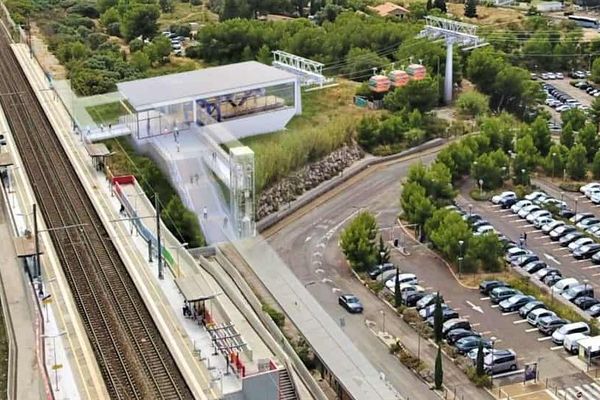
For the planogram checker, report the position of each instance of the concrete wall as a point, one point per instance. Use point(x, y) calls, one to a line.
point(263, 386)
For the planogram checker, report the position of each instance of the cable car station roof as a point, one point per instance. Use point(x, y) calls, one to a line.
point(148, 93)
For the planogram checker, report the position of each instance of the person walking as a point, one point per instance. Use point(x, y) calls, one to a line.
point(205, 212)
point(197, 178)
point(525, 238)
point(225, 222)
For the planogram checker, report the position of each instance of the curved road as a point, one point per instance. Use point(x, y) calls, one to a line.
point(307, 242)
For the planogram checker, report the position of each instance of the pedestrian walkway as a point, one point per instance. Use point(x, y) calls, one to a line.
point(586, 392)
point(23, 314)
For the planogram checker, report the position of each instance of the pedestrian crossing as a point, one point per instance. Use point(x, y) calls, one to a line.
point(586, 392)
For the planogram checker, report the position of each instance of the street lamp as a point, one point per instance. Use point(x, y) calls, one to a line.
point(480, 187)
point(575, 206)
point(55, 366)
point(503, 173)
point(562, 194)
point(523, 175)
point(470, 209)
point(585, 282)
point(460, 257)
point(553, 164)
point(381, 255)
point(383, 321)
point(493, 340)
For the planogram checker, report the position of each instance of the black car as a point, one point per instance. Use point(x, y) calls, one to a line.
point(350, 303)
point(594, 311)
point(551, 279)
point(379, 269)
point(507, 202)
point(596, 258)
point(569, 237)
point(524, 260)
point(479, 222)
point(410, 299)
point(547, 325)
point(586, 251)
point(502, 293)
point(457, 334)
point(544, 272)
point(447, 314)
point(472, 218)
point(428, 300)
point(534, 266)
point(515, 302)
point(529, 307)
point(485, 287)
point(585, 302)
point(566, 213)
point(466, 344)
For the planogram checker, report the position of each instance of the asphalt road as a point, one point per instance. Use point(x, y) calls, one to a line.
point(308, 244)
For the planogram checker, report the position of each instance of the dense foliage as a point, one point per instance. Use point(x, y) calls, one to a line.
point(358, 243)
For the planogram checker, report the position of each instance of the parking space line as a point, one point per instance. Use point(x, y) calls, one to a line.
point(580, 261)
point(561, 249)
point(456, 309)
point(510, 313)
point(543, 339)
point(510, 216)
point(519, 321)
point(495, 305)
point(484, 298)
point(549, 243)
point(465, 316)
point(534, 231)
point(567, 255)
point(475, 325)
point(556, 348)
point(598, 274)
point(486, 333)
point(500, 211)
point(591, 266)
point(582, 196)
point(526, 226)
point(531, 330)
point(498, 341)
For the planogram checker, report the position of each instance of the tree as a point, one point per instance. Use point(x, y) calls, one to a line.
point(514, 91)
point(567, 136)
point(542, 138)
point(594, 111)
point(422, 95)
point(574, 116)
point(588, 138)
point(437, 319)
point(140, 61)
point(596, 166)
point(358, 241)
point(159, 49)
point(429, 5)
point(397, 294)
point(488, 168)
point(166, 6)
point(479, 363)
point(383, 252)
point(179, 219)
point(596, 70)
point(110, 16)
point(140, 20)
point(484, 253)
point(556, 160)
point(471, 9)
point(440, 5)
point(367, 132)
point(359, 60)
point(229, 10)
point(439, 370)
point(473, 103)
point(577, 163)
point(415, 204)
point(527, 153)
point(482, 67)
point(446, 229)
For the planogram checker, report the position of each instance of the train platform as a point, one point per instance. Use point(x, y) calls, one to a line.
point(192, 345)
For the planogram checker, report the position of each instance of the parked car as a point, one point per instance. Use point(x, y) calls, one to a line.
point(502, 293)
point(507, 202)
point(570, 237)
point(534, 266)
point(515, 302)
point(402, 278)
point(594, 311)
point(515, 252)
point(520, 204)
point(561, 231)
point(533, 318)
point(456, 334)
point(429, 310)
point(525, 211)
point(379, 269)
point(535, 195)
point(500, 361)
point(552, 225)
point(466, 344)
point(580, 216)
point(350, 303)
point(547, 325)
point(524, 259)
point(586, 251)
point(586, 223)
point(485, 287)
point(455, 323)
point(574, 245)
point(571, 342)
point(585, 188)
point(427, 300)
point(541, 221)
point(552, 279)
point(410, 299)
point(574, 292)
point(482, 230)
point(447, 314)
point(566, 213)
point(564, 284)
point(542, 273)
point(586, 302)
point(529, 307)
point(531, 217)
point(576, 327)
point(504, 195)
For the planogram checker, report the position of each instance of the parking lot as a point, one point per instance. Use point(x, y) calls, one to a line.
point(564, 86)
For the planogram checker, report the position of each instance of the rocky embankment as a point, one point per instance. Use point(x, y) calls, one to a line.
point(288, 189)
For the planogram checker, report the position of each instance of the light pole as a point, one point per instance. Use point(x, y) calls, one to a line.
point(553, 164)
point(493, 340)
point(575, 206)
point(55, 366)
point(523, 175)
point(381, 254)
point(585, 282)
point(503, 173)
point(470, 209)
point(460, 257)
point(562, 194)
point(480, 187)
point(383, 321)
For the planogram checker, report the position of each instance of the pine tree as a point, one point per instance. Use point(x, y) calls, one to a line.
point(594, 112)
point(479, 364)
point(441, 5)
point(437, 319)
point(439, 371)
point(383, 252)
point(397, 294)
point(471, 9)
point(429, 5)
point(567, 137)
point(229, 11)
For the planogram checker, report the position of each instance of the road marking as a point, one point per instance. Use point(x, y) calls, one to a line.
point(598, 274)
point(510, 313)
point(500, 211)
point(465, 316)
point(484, 298)
point(509, 373)
point(591, 266)
point(543, 339)
point(486, 333)
point(321, 226)
point(455, 309)
point(580, 261)
point(510, 216)
point(556, 348)
point(525, 226)
point(531, 330)
point(498, 340)
point(428, 288)
point(319, 271)
point(519, 321)
point(567, 255)
point(475, 325)
point(317, 262)
point(534, 231)
point(551, 243)
point(321, 245)
point(582, 196)
point(317, 254)
point(336, 290)
point(495, 305)
point(307, 239)
point(549, 257)
point(326, 280)
point(495, 206)
point(474, 307)
point(561, 249)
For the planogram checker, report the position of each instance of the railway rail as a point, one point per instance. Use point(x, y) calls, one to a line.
point(133, 358)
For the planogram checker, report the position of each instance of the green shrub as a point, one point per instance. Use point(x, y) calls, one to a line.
point(276, 316)
point(570, 186)
point(479, 381)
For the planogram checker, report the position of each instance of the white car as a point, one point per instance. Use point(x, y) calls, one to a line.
point(551, 75)
point(563, 108)
point(541, 221)
point(402, 278)
point(484, 229)
point(534, 195)
point(574, 245)
point(504, 195)
point(545, 75)
point(406, 287)
point(524, 212)
point(564, 285)
point(534, 316)
point(551, 225)
point(592, 191)
point(555, 202)
point(520, 204)
point(536, 214)
point(559, 75)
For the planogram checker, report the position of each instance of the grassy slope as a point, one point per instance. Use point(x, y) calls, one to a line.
point(186, 13)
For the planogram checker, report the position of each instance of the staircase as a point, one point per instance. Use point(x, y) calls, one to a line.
point(287, 390)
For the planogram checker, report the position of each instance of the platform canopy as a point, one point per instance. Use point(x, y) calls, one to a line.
point(148, 93)
point(194, 288)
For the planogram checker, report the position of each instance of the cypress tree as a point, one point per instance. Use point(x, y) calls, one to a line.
point(479, 363)
point(439, 372)
point(471, 9)
point(437, 319)
point(397, 294)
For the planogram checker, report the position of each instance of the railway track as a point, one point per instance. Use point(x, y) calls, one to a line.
point(133, 358)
